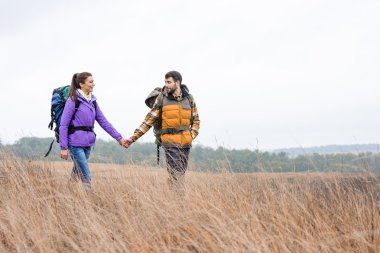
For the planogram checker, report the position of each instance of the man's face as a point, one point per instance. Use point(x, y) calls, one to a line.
point(171, 85)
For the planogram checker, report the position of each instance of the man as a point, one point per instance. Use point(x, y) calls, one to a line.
point(179, 124)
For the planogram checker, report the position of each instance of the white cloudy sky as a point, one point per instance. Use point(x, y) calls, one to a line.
point(264, 74)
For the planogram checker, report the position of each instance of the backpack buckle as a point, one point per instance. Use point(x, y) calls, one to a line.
point(171, 130)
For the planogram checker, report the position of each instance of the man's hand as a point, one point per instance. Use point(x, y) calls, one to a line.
point(129, 141)
point(123, 142)
point(64, 154)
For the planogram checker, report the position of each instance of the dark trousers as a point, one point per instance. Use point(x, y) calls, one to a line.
point(176, 162)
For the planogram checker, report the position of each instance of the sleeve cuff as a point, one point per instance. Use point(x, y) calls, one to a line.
point(118, 137)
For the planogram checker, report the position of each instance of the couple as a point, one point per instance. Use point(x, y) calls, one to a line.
point(174, 110)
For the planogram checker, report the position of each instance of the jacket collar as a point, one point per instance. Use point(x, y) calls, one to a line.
point(184, 90)
point(82, 99)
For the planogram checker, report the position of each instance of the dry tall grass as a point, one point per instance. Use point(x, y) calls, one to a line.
point(132, 209)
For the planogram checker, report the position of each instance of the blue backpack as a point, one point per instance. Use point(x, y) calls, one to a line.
point(58, 101)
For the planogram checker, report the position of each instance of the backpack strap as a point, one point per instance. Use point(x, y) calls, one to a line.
point(50, 126)
point(51, 145)
point(158, 154)
point(77, 104)
point(192, 105)
point(176, 130)
point(159, 105)
point(72, 128)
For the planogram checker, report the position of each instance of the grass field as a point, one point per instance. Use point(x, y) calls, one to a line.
point(132, 209)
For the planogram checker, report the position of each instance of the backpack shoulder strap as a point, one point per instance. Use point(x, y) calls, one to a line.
point(159, 100)
point(159, 104)
point(192, 105)
point(158, 125)
point(77, 103)
point(191, 100)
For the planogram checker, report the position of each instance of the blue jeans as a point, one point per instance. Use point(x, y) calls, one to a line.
point(176, 162)
point(80, 156)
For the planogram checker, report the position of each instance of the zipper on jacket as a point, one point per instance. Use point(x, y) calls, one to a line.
point(180, 119)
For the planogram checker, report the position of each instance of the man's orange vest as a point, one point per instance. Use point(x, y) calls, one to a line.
point(176, 122)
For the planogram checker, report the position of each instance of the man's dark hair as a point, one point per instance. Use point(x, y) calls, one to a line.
point(175, 75)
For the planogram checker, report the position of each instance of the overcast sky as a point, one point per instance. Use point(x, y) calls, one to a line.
point(264, 74)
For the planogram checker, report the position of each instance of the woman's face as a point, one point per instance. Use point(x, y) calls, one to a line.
point(88, 85)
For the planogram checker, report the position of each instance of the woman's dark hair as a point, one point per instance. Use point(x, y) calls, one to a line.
point(76, 80)
point(175, 75)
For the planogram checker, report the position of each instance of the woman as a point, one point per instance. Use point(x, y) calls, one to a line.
point(77, 123)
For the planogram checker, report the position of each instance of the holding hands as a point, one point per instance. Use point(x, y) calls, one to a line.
point(125, 142)
point(122, 141)
point(129, 141)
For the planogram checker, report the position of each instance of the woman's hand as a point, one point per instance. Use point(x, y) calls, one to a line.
point(123, 142)
point(64, 154)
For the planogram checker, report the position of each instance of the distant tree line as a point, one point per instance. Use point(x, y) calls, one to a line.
point(204, 158)
point(331, 149)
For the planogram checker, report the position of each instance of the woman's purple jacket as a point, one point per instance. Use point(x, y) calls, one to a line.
point(84, 116)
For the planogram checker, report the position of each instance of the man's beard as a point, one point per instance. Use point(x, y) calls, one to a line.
point(171, 91)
